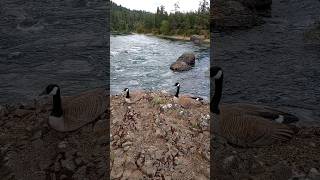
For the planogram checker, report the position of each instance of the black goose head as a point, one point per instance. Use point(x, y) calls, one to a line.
point(51, 89)
point(126, 90)
point(54, 90)
point(216, 72)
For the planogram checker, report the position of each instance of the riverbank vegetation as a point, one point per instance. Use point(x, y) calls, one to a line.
point(175, 23)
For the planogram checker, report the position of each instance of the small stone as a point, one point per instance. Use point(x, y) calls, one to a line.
point(314, 173)
point(148, 168)
point(80, 173)
point(37, 135)
point(62, 145)
point(68, 164)
point(57, 166)
point(63, 176)
point(78, 161)
point(126, 148)
point(128, 143)
point(136, 175)
point(227, 162)
point(100, 126)
point(312, 144)
point(53, 176)
point(116, 172)
point(140, 162)
point(21, 112)
point(158, 154)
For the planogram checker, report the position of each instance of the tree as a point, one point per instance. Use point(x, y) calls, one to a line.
point(176, 7)
point(164, 28)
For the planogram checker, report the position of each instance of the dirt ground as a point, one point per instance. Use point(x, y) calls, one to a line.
point(150, 139)
point(30, 149)
point(155, 139)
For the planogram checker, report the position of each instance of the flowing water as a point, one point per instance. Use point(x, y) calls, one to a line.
point(143, 62)
point(273, 64)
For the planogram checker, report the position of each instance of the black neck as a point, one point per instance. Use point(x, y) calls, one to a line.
point(177, 93)
point(57, 109)
point(128, 96)
point(214, 106)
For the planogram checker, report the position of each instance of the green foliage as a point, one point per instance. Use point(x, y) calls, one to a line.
point(164, 28)
point(158, 100)
point(177, 23)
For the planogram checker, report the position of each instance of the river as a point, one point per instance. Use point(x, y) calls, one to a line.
point(273, 64)
point(141, 62)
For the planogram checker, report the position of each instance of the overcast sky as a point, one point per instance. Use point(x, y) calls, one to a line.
point(151, 5)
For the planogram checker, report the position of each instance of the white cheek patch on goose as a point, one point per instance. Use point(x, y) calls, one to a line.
point(218, 75)
point(54, 91)
point(280, 119)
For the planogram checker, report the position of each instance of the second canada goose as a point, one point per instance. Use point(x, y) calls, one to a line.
point(69, 114)
point(247, 125)
point(131, 98)
point(186, 101)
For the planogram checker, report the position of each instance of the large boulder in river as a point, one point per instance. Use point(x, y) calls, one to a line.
point(184, 62)
point(188, 58)
point(180, 66)
point(230, 15)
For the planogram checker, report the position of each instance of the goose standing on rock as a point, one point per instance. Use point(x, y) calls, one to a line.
point(72, 113)
point(247, 125)
point(186, 101)
point(133, 97)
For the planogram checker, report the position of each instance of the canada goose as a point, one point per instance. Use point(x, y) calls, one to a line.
point(247, 125)
point(131, 98)
point(71, 113)
point(186, 101)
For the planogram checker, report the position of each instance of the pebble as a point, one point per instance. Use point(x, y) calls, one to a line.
point(78, 161)
point(21, 112)
point(37, 135)
point(63, 176)
point(57, 166)
point(312, 144)
point(80, 173)
point(116, 172)
point(227, 162)
point(148, 168)
point(100, 126)
point(62, 145)
point(128, 143)
point(314, 174)
point(68, 164)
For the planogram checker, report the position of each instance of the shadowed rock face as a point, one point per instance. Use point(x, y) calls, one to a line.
point(55, 41)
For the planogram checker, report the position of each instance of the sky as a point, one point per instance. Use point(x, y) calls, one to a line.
point(151, 5)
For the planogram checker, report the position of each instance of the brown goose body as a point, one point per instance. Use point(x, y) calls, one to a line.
point(70, 113)
point(246, 129)
point(247, 125)
point(186, 101)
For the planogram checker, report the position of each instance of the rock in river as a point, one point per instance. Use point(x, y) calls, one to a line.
point(184, 62)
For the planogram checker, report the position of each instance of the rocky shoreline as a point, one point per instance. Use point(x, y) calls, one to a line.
point(30, 149)
point(151, 139)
